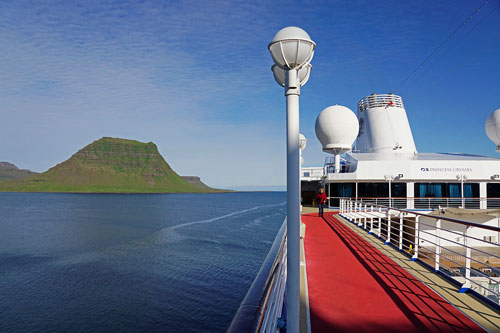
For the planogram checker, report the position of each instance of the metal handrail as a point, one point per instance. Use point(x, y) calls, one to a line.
point(389, 222)
point(426, 203)
point(261, 308)
point(382, 100)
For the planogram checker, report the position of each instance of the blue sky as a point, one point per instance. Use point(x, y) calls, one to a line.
point(194, 77)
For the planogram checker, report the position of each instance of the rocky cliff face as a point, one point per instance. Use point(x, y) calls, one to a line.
point(196, 181)
point(110, 165)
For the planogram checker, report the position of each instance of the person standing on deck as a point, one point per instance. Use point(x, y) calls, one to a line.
point(321, 200)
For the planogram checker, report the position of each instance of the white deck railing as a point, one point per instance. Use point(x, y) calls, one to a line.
point(382, 100)
point(311, 173)
point(261, 309)
point(424, 203)
point(451, 246)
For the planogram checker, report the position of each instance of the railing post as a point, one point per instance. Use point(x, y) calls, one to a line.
point(371, 220)
point(417, 238)
point(358, 212)
point(388, 240)
point(380, 222)
point(400, 231)
point(329, 203)
point(468, 254)
point(355, 211)
point(438, 245)
point(364, 217)
point(483, 203)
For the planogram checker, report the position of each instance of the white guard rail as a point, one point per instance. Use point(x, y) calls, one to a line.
point(261, 309)
point(382, 100)
point(423, 203)
point(311, 173)
point(453, 247)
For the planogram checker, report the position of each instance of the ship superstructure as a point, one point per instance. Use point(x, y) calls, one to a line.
point(384, 162)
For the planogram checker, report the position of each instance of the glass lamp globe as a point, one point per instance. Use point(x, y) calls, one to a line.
point(302, 141)
point(280, 74)
point(291, 48)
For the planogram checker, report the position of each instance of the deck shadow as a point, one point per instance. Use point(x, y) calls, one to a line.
point(425, 310)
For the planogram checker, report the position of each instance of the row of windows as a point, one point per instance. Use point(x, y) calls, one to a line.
point(421, 190)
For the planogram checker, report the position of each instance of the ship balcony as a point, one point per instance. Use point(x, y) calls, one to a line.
point(311, 173)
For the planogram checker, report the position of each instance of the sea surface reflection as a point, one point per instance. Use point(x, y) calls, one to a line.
point(102, 262)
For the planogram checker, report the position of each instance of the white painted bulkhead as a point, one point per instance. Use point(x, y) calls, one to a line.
point(384, 126)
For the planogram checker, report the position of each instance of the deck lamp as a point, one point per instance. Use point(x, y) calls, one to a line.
point(280, 74)
point(462, 179)
point(302, 141)
point(292, 49)
point(389, 178)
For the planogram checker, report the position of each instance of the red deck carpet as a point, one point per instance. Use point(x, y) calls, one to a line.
point(354, 287)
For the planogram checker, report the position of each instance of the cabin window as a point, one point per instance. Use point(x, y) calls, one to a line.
point(493, 190)
point(454, 191)
point(381, 190)
point(344, 190)
point(373, 190)
point(398, 190)
point(429, 190)
point(471, 190)
point(446, 190)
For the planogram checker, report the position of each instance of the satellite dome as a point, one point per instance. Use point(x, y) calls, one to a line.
point(336, 128)
point(492, 127)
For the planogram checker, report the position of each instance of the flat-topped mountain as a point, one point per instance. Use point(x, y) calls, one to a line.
point(109, 165)
point(196, 181)
point(10, 171)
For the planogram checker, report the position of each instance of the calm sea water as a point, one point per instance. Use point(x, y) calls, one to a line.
point(103, 262)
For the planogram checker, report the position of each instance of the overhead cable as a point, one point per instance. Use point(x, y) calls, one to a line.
point(442, 44)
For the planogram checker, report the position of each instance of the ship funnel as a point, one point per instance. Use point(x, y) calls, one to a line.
point(384, 126)
point(336, 129)
point(492, 127)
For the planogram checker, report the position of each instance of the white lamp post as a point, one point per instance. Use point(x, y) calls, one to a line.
point(462, 179)
point(292, 49)
point(389, 178)
point(302, 146)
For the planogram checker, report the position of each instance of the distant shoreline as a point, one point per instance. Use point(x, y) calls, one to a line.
point(55, 192)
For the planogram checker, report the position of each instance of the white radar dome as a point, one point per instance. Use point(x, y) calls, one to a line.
point(336, 128)
point(492, 127)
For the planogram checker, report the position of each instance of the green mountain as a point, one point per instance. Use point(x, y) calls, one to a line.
point(109, 165)
point(10, 171)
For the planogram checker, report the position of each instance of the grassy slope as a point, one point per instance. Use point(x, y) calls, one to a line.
point(10, 173)
point(108, 165)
